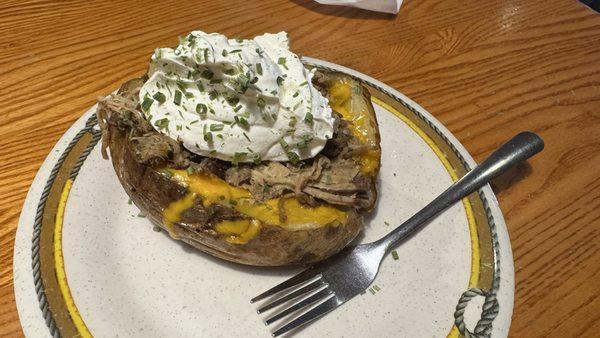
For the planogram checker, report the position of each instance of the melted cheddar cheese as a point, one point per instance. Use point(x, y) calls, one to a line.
point(354, 110)
point(214, 190)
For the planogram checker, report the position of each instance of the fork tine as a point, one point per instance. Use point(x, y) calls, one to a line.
point(297, 279)
point(299, 305)
point(314, 313)
point(304, 290)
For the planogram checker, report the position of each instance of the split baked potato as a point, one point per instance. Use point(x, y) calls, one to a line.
point(264, 214)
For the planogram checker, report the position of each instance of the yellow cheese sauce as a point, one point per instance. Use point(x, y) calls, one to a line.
point(214, 190)
point(353, 110)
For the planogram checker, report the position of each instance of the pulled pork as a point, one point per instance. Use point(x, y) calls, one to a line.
point(333, 176)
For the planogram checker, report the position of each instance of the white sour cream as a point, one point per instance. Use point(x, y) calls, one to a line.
point(237, 100)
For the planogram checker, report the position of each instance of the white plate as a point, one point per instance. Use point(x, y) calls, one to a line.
point(85, 263)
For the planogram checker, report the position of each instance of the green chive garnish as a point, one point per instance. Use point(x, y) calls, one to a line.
point(259, 68)
point(293, 157)
point(160, 97)
point(146, 103)
point(216, 127)
point(162, 123)
point(177, 98)
point(395, 255)
point(279, 80)
point(308, 118)
point(246, 136)
point(201, 110)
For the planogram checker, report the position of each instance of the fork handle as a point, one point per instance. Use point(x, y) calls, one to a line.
point(519, 148)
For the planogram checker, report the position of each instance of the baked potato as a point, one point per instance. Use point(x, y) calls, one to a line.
point(263, 214)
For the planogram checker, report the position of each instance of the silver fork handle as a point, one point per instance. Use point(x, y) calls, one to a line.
point(519, 148)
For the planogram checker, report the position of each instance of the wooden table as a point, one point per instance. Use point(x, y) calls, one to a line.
point(486, 69)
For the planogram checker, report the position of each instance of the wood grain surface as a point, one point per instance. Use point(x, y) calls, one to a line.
point(486, 69)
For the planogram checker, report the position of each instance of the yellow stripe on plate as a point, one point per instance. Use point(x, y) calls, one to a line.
point(60, 264)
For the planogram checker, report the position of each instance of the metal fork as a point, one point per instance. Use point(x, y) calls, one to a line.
point(334, 281)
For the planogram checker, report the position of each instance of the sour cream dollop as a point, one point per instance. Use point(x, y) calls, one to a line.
point(237, 100)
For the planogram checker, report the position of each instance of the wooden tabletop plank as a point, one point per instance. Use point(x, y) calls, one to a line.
point(486, 69)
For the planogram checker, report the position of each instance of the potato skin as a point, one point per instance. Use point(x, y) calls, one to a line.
point(152, 192)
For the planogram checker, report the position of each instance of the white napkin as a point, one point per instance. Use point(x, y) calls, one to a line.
point(386, 6)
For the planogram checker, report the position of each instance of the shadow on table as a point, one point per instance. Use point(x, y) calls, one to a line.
point(511, 177)
point(343, 11)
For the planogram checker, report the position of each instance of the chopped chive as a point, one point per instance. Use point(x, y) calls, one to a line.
point(372, 291)
point(259, 52)
point(386, 223)
point(284, 144)
point(292, 122)
point(195, 121)
point(178, 127)
point(376, 287)
point(279, 80)
point(293, 157)
point(216, 127)
point(224, 53)
point(229, 71)
point(213, 81)
point(259, 69)
point(260, 102)
point(188, 95)
point(296, 94)
point(208, 136)
point(308, 118)
point(213, 95)
point(303, 83)
point(233, 101)
point(160, 97)
point(141, 215)
point(257, 160)
point(237, 157)
point(162, 123)
point(282, 61)
point(147, 103)
point(200, 86)
point(233, 202)
point(201, 109)
point(247, 138)
point(236, 109)
point(242, 122)
point(395, 255)
point(177, 98)
point(235, 51)
point(129, 201)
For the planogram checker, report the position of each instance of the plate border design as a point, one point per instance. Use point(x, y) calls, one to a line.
point(490, 308)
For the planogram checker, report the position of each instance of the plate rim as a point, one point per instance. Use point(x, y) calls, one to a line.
point(22, 253)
